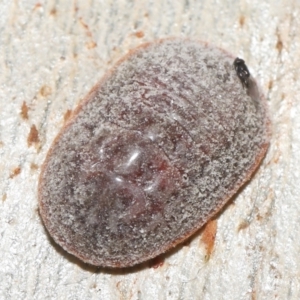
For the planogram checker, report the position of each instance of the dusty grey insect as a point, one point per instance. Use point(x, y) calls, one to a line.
point(242, 71)
point(155, 150)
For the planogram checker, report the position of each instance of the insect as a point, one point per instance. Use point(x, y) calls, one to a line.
point(242, 71)
point(155, 150)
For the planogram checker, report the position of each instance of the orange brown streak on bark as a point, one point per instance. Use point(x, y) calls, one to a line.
point(15, 172)
point(24, 111)
point(209, 235)
point(33, 136)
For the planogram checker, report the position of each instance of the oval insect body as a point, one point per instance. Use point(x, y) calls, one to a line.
point(153, 152)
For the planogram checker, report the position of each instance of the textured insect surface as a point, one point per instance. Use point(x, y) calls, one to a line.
point(242, 71)
point(152, 153)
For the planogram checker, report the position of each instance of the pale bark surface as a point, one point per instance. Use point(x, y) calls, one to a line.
point(52, 53)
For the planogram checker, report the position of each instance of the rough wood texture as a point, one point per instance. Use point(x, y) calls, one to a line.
point(52, 53)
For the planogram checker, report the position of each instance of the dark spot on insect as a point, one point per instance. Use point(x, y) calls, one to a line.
point(223, 77)
point(242, 71)
point(219, 76)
